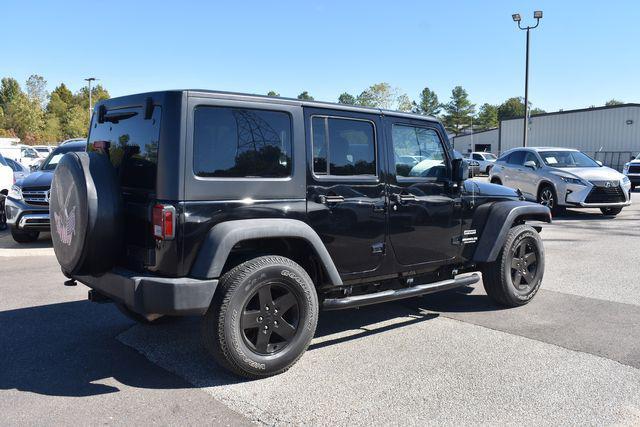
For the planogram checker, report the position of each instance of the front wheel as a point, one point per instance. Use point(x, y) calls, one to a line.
point(262, 317)
point(547, 197)
point(610, 211)
point(515, 276)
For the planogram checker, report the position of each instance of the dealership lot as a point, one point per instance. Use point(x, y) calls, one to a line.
point(571, 356)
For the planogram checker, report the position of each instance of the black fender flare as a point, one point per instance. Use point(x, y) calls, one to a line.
point(500, 220)
point(223, 237)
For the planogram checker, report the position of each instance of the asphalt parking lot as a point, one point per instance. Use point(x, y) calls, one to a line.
point(571, 356)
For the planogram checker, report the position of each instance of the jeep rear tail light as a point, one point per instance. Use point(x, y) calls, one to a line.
point(164, 222)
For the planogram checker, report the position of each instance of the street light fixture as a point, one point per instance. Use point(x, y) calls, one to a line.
point(89, 80)
point(537, 15)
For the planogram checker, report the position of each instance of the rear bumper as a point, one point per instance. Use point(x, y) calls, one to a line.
point(154, 295)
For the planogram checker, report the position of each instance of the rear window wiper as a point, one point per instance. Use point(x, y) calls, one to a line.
point(116, 117)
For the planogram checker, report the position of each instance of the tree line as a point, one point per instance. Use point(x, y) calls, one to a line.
point(458, 114)
point(38, 117)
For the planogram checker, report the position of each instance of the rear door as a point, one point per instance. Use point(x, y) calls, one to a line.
point(345, 190)
point(425, 209)
point(513, 173)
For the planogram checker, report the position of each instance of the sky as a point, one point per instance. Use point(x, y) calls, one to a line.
point(583, 53)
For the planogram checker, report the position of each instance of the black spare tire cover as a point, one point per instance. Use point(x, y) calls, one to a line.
point(85, 210)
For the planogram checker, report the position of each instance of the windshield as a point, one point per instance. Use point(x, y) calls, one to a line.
point(638, 157)
point(568, 159)
point(51, 162)
point(490, 156)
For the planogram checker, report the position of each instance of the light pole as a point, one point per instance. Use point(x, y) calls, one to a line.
point(516, 17)
point(89, 80)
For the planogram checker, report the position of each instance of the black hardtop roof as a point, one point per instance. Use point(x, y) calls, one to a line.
point(271, 100)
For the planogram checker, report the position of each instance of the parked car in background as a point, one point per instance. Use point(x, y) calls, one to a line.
point(632, 171)
point(27, 205)
point(560, 178)
point(24, 154)
point(20, 171)
point(485, 160)
point(6, 181)
point(43, 150)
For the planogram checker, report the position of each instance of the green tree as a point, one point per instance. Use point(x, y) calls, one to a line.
point(613, 102)
point(404, 103)
point(379, 95)
point(37, 89)
point(428, 104)
point(24, 118)
point(273, 93)
point(75, 122)
point(487, 117)
point(9, 89)
point(98, 93)
point(305, 96)
point(511, 108)
point(347, 98)
point(535, 111)
point(459, 110)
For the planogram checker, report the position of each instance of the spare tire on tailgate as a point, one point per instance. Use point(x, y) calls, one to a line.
point(85, 210)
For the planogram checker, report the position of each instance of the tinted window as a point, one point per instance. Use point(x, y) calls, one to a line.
point(348, 144)
point(133, 144)
point(516, 158)
point(418, 152)
point(530, 157)
point(238, 142)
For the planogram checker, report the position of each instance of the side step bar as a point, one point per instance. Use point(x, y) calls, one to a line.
point(396, 294)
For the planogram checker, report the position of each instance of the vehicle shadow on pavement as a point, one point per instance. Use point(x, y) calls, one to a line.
point(7, 242)
point(68, 349)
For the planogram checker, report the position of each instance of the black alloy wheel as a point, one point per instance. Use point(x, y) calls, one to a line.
point(270, 318)
point(524, 265)
point(547, 198)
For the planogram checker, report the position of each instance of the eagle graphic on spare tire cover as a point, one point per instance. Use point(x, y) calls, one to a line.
point(86, 214)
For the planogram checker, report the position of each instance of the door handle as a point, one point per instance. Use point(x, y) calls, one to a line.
point(379, 207)
point(403, 198)
point(329, 199)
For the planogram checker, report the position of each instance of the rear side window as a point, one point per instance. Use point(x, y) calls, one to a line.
point(516, 158)
point(240, 142)
point(343, 147)
point(133, 144)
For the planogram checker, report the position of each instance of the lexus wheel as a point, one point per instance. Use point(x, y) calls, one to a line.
point(262, 317)
point(515, 277)
point(547, 197)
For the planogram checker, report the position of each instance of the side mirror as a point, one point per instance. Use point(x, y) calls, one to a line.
point(531, 164)
point(460, 170)
point(599, 162)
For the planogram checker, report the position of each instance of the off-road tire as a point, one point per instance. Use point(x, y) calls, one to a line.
point(497, 276)
point(22, 236)
point(222, 333)
point(610, 211)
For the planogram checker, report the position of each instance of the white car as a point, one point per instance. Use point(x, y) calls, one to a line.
point(20, 171)
point(562, 178)
point(485, 160)
point(6, 181)
point(43, 150)
point(23, 154)
point(632, 171)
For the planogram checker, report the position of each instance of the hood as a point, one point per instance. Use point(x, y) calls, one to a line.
point(38, 179)
point(481, 188)
point(602, 173)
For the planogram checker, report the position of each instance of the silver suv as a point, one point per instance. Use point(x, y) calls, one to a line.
point(561, 178)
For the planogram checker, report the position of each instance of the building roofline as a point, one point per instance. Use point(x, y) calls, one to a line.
point(475, 133)
point(579, 110)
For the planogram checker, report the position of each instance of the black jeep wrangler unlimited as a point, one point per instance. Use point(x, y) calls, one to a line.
point(257, 212)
